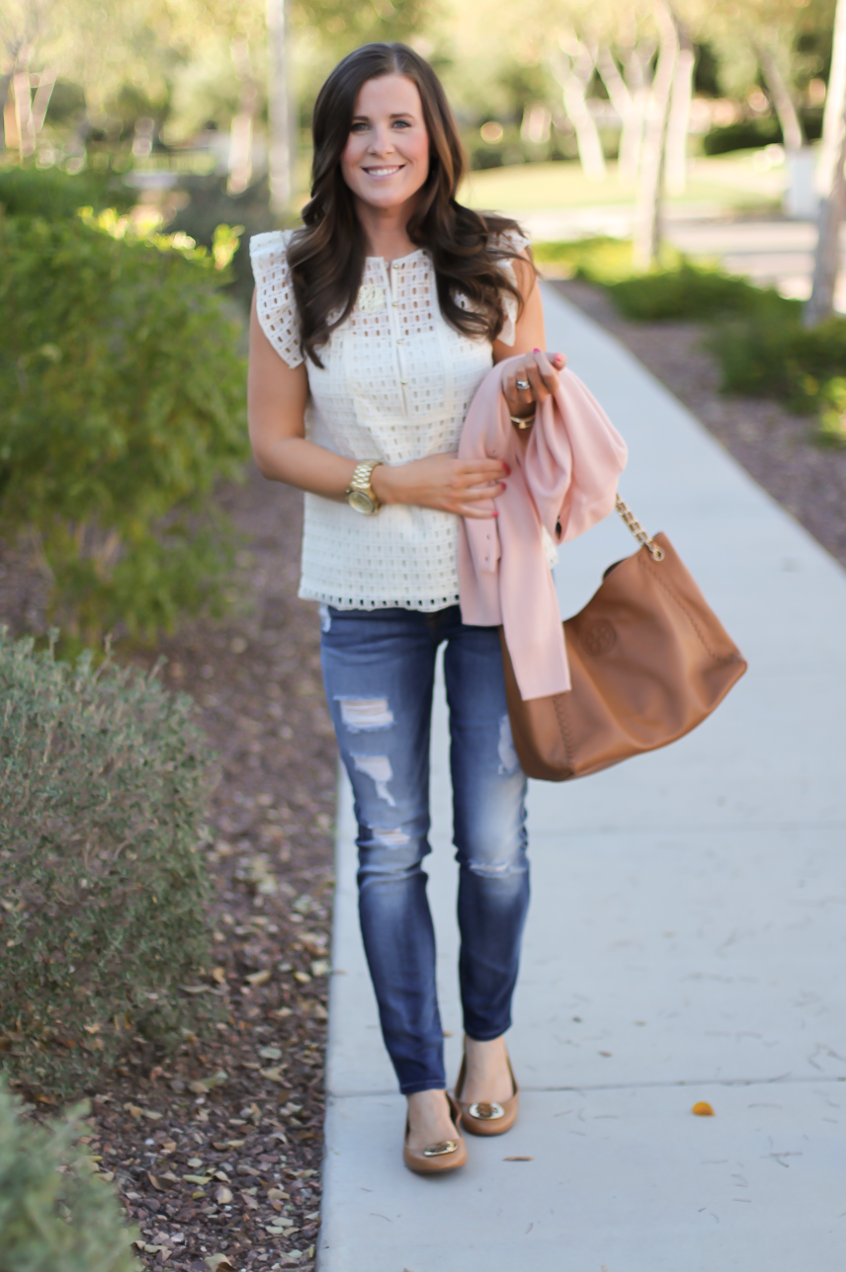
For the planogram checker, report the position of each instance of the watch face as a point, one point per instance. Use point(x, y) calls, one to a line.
point(360, 501)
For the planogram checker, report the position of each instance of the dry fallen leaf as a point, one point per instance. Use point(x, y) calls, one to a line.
point(222, 1196)
point(258, 978)
point(518, 1159)
point(159, 1187)
point(134, 1111)
point(218, 1263)
point(703, 1109)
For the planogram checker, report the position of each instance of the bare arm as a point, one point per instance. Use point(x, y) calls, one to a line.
point(540, 368)
point(276, 402)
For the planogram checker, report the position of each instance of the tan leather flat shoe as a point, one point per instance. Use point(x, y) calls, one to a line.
point(487, 1117)
point(437, 1159)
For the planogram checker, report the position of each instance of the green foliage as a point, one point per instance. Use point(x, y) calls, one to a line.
point(209, 205)
point(832, 430)
point(773, 355)
point(692, 293)
point(595, 260)
point(757, 335)
point(751, 134)
point(104, 779)
point(123, 403)
point(56, 1214)
point(56, 195)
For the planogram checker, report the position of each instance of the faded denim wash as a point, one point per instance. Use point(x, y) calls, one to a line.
point(379, 670)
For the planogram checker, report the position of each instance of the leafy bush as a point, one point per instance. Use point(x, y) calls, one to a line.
point(210, 205)
point(56, 1215)
point(103, 784)
point(832, 430)
point(123, 403)
point(773, 355)
point(751, 134)
point(693, 293)
point(746, 134)
point(596, 260)
point(57, 195)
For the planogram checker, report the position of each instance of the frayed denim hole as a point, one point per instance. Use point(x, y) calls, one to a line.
point(359, 715)
point(508, 761)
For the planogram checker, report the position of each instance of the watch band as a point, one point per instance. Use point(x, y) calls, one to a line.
point(360, 486)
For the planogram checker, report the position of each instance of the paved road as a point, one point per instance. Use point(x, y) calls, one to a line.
point(771, 251)
point(685, 943)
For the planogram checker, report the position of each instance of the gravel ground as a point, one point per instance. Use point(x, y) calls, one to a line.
point(216, 1153)
point(775, 447)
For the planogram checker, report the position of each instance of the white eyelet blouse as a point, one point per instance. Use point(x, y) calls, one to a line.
point(396, 385)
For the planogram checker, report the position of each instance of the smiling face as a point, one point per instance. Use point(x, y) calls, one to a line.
point(386, 159)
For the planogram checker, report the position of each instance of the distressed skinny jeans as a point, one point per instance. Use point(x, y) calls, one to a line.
point(379, 670)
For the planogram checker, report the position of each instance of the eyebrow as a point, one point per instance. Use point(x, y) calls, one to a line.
point(399, 114)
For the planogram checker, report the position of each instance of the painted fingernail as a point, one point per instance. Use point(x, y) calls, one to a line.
point(507, 468)
point(496, 514)
point(536, 351)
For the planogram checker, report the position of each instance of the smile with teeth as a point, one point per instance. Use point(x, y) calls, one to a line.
point(384, 172)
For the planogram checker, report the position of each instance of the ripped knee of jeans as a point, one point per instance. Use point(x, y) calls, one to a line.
point(378, 769)
point(361, 715)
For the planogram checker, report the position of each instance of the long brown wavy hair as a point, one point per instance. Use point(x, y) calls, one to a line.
point(327, 255)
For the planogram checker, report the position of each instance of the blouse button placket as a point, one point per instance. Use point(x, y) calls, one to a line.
point(397, 339)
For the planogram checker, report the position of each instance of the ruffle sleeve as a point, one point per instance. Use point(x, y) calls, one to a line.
point(516, 242)
point(276, 304)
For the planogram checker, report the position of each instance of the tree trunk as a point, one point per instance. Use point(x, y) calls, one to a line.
point(574, 71)
point(41, 102)
point(833, 102)
point(279, 112)
point(678, 124)
point(23, 112)
point(647, 238)
point(638, 76)
point(827, 256)
point(788, 116)
point(5, 81)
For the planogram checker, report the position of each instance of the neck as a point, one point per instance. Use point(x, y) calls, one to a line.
point(384, 229)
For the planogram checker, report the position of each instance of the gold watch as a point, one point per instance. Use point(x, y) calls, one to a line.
point(359, 492)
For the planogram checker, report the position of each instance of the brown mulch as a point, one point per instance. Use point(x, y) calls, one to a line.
point(773, 445)
point(218, 1151)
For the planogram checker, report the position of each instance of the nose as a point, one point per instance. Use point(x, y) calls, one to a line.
point(381, 142)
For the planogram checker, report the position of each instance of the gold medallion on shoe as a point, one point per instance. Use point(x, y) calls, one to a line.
point(487, 1117)
point(486, 1112)
point(445, 1155)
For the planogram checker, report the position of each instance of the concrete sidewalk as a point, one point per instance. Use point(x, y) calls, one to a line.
point(685, 942)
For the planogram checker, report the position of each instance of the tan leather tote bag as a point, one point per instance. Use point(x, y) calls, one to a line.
point(649, 660)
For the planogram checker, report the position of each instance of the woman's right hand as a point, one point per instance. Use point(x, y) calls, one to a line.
point(444, 482)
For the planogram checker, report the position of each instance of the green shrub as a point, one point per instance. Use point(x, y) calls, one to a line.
point(746, 134)
point(772, 355)
point(104, 780)
point(209, 205)
point(56, 1215)
point(596, 260)
point(57, 195)
point(691, 293)
point(123, 403)
point(832, 429)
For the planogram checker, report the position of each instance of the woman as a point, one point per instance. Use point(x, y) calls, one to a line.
point(371, 329)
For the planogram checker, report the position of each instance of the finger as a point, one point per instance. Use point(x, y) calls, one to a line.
point(474, 471)
point(488, 491)
point(477, 514)
point(548, 373)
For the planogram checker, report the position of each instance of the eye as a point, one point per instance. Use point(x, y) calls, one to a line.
point(402, 123)
point(359, 126)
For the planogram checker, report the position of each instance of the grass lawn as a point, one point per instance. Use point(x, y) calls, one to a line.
point(740, 180)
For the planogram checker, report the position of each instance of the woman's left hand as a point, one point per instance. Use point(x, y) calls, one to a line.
point(540, 370)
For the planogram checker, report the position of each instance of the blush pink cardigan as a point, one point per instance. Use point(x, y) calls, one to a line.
point(564, 478)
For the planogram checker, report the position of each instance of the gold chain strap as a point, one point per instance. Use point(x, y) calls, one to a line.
point(638, 531)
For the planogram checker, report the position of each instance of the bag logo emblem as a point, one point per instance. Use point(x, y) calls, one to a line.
point(599, 638)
